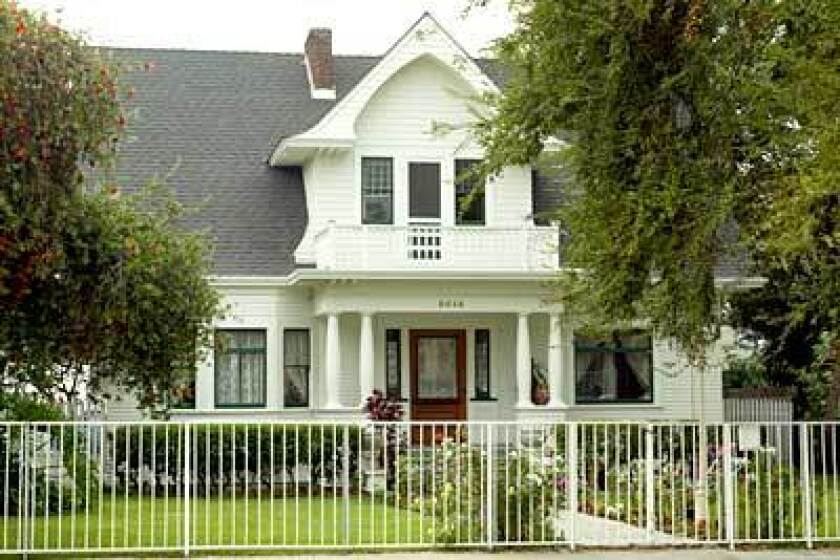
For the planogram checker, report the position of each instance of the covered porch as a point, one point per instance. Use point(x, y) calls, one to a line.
point(446, 352)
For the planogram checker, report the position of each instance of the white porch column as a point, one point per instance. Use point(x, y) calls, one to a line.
point(366, 356)
point(332, 367)
point(555, 359)
point(523, 361)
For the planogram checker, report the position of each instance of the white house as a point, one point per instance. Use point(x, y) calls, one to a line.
point(331, 191)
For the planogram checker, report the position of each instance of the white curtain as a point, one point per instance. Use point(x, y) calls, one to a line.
point(614, 368)
point(240, 368)
point(296, 370)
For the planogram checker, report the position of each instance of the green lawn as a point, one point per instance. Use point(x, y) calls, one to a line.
point(147, 522)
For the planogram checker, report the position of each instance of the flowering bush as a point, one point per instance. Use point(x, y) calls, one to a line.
point(449, 486)
point(380, 408)
point(530, 493)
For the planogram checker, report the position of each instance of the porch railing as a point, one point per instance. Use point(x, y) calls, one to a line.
point(85, 487)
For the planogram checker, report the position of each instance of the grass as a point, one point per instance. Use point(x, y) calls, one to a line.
point(146, 522)
point(221, 522)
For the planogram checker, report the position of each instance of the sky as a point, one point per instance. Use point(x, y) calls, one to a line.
point(359, 26)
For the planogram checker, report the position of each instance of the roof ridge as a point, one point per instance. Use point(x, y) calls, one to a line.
point(224, 51)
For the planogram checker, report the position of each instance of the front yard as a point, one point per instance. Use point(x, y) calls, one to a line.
point(158, 523)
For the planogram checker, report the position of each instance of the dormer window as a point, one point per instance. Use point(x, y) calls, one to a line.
point(377, 190)
point(468, 213)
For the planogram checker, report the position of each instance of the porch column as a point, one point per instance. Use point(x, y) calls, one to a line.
point(523, 361)
point(555, 358)
point(366, 356)
point(332, 367)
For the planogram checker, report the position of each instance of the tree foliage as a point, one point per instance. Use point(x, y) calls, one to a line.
point(691, 127)
point(96, 290)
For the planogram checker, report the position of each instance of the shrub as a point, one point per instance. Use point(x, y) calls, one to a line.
point(530, 497)
point(449, 487)
point(233, 457)
point(37, 464)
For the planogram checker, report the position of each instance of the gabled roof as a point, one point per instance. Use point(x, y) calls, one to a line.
point(425, 38)
point(208, 121)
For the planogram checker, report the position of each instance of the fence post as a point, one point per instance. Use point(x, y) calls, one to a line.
point(572, 483)
point(345, 482)
point(728, 488)
point(24, 458)
point(805, 468)
point(491, 537)
point(650, 499)
point(187, 477)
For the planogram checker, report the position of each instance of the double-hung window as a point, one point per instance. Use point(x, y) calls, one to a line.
point(377, 190)
point(469, 194)
point(296, 367)
point(240, 364)
point(614, 367)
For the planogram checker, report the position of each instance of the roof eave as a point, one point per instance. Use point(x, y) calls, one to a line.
point(297, 150)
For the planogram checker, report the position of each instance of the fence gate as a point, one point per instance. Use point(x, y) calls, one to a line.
point(121, 487)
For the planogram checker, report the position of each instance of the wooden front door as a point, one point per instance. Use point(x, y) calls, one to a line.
point(438, 377)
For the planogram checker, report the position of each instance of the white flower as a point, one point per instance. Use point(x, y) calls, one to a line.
point(535, 478)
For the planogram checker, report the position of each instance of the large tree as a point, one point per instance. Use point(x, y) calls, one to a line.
point(96, 290)
point(690, 127)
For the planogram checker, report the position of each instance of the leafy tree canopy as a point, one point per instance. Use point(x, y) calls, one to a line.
point(95, 289)
point(695, 131)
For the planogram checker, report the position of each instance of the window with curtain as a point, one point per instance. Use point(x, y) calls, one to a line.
point(240, 364)
point(393, 367)
point(377, 190)
point(616, 367)
point(472, 214)
point(482, 364)
point(296, 366)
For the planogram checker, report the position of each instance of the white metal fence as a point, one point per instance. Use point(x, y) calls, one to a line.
point(83, 487)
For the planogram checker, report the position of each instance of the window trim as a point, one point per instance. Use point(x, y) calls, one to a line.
point(308, 403)
point(626, 402)
point(396, 394)
point(262, 404)
point(362, 190)
point(479, 395)
point(455, 182)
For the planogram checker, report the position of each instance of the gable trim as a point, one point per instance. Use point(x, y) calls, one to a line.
point(425, 38)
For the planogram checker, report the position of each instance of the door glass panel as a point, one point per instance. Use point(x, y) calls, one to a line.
point(437, 368)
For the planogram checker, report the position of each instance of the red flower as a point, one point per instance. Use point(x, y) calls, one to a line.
point(19, 153)
point(21, 27)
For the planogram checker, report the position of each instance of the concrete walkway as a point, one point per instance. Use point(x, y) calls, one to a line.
point(664, 554)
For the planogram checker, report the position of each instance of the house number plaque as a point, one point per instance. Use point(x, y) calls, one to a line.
point(450, 304)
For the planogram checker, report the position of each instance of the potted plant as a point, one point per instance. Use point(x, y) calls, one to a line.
point(383, 443)
point(539, 384)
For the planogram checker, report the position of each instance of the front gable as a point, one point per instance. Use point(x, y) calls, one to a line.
point(426, 41)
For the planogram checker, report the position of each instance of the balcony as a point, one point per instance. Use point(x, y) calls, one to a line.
point(436, 247)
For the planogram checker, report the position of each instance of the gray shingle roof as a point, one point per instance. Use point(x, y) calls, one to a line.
point(208, 121)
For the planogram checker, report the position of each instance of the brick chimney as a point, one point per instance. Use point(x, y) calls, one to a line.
point(320, 67)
